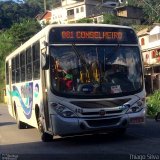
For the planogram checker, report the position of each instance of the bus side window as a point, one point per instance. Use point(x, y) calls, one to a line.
point(28, 64)
point(13, 70)
point(36, 60)
point(22, 65)
point(17, 69)
point(7, 73)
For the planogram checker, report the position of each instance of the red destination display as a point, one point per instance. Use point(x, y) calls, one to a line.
point(91, 35)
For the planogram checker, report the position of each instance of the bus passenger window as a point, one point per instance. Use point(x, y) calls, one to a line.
point(17, 69)
point(13, 70)
point(29, 64)
point(7, 73)
point(36, 60)
point(22, 65)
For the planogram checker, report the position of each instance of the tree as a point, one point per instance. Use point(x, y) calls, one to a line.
point(85, 20)
point(24, 30)
point(13, 38)
point(11, 12)
point(110, 19)
point(40, 3)
point(151, 9)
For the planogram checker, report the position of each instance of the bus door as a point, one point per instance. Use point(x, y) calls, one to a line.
point(44, 85)
point(10, 103)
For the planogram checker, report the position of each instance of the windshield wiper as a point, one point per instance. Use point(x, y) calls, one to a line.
point(79, 56)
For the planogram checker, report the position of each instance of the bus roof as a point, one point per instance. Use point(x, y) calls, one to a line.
point(44, 33)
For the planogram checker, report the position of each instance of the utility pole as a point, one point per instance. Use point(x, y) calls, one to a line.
point(45, 6)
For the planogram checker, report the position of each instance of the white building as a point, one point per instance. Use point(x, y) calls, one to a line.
point(69, 11)
point(150, 46)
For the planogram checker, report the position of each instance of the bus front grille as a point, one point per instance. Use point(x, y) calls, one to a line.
point(108, 113)
point(103, 122)
point(100, 104)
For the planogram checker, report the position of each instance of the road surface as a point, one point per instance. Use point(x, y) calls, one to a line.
point(143, 141)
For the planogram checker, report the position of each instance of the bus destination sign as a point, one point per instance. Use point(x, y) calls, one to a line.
point(92, 35)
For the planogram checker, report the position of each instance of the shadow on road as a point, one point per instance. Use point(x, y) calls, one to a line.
point(95, 147)
point(7, 123)
point(94, 139)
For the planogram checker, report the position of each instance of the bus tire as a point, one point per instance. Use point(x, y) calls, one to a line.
point(20, 124)
point(45, 137)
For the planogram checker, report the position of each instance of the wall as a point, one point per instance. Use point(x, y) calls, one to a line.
point(128, 21)
point(59, 15)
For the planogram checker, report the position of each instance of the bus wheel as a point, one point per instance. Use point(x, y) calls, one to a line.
point(21, 125)
point(45, 137)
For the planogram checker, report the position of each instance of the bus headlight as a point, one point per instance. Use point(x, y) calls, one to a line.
point(138, 106)
point(63, 111)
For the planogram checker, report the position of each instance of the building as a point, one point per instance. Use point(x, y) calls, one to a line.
point(69, 11)
point(149, 39)
point(129, 15)
point(45, 18)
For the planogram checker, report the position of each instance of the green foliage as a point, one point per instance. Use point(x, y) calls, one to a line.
point(151, 9)
point(11, 12)
point(40, 3)
point(13, 38)
point(110, 19)
point(135, 3)
point(21, 32)
point(153, 103)
point(85, 20)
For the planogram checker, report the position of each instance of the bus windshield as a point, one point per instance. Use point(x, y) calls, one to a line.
point(104, 71)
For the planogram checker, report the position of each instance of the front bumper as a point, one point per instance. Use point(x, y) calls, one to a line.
point(70, 126)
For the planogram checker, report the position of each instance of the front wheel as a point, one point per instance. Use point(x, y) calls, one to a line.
point(20, 124)
point(45, 137)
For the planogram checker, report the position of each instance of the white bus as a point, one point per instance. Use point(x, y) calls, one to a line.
point(77, 79)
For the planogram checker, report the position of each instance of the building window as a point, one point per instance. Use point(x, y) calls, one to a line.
point(82, 9)
point(95, 20)
point(77, 10)
point(142, 42)
point(70, 12)
point(153, 54)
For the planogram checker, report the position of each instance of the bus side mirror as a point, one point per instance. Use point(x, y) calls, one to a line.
point(45, 61)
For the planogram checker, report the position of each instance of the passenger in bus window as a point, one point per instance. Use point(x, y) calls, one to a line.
point(64, 78)
point(58, 68)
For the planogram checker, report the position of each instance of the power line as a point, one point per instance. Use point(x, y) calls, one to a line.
point(45, 6)
point(150, 7)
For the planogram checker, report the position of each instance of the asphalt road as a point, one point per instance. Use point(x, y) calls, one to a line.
point(142, 141)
